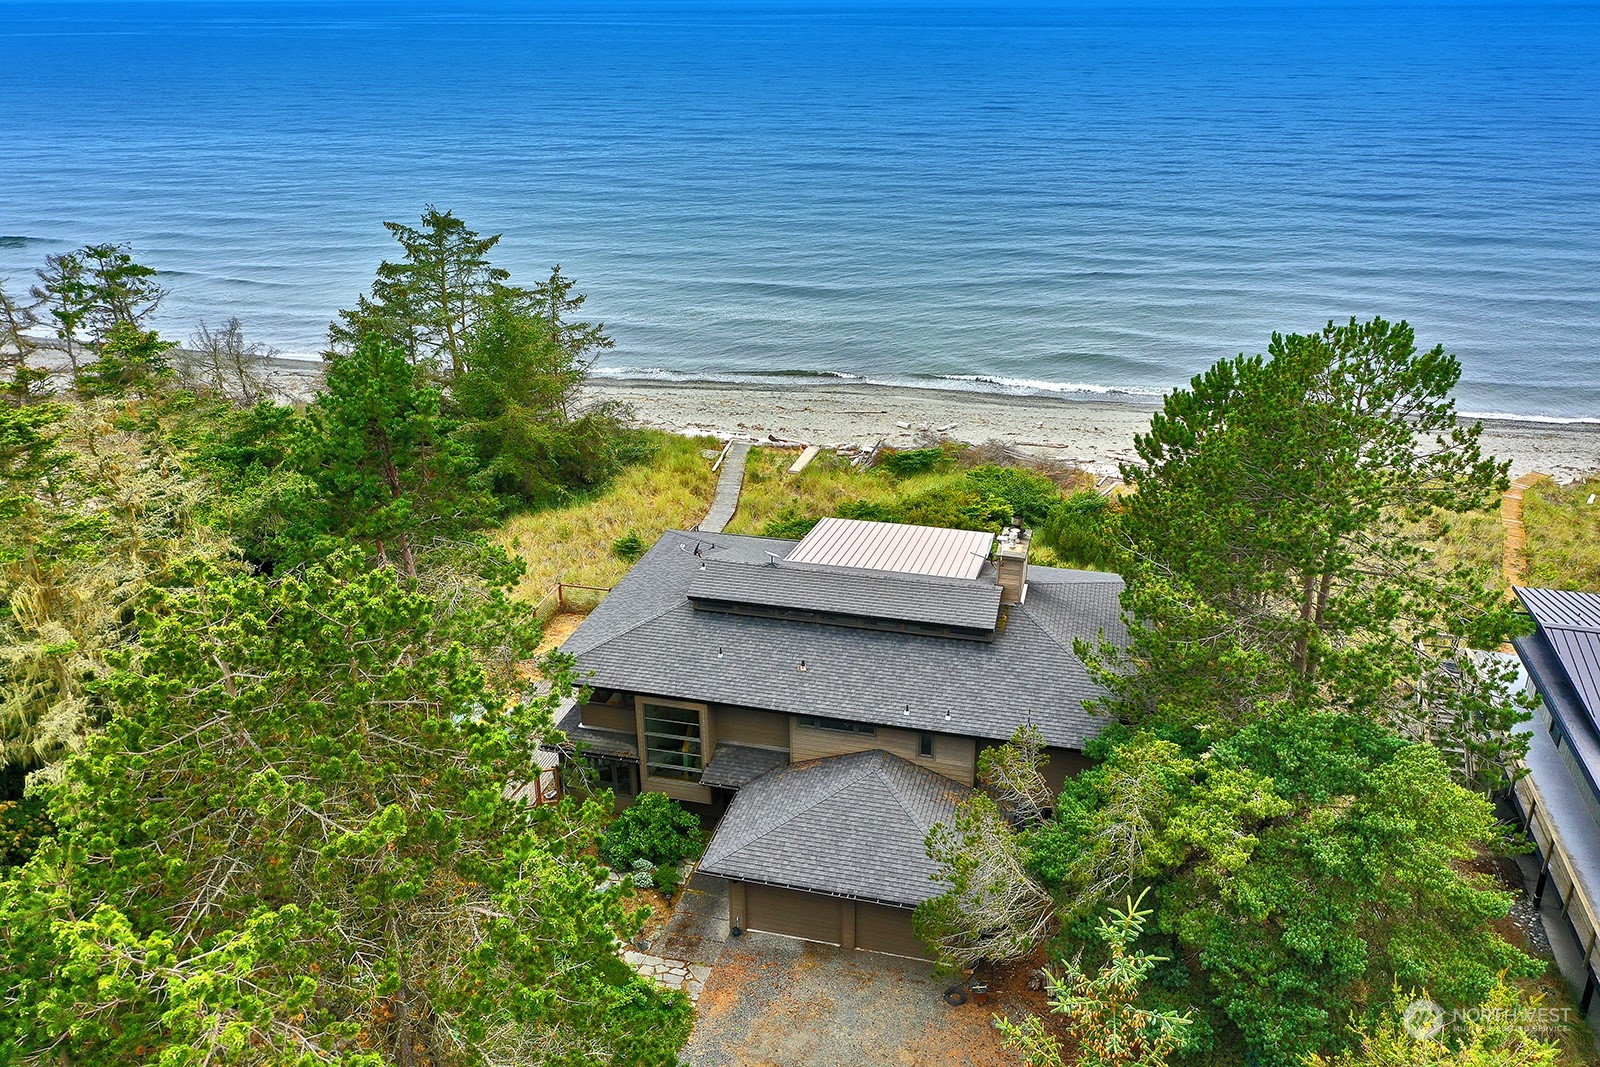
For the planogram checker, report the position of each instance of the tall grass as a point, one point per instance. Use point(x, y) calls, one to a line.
point(1564, 535)
point(572, 543)
point(770, 492)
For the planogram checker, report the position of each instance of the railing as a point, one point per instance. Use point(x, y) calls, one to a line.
point(557, 602)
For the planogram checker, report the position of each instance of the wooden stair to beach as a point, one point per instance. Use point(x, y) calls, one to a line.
point(1514, 564)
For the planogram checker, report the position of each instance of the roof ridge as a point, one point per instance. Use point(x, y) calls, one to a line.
point(791, 816)
point(894, 790)
point(1049, 633)
point(624, 633)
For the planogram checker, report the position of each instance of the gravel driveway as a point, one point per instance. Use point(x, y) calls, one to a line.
point(777, 1002)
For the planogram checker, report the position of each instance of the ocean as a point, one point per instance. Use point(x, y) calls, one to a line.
point(1076, 197)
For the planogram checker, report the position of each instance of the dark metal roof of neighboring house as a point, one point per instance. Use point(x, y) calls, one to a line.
point(1570, 622)
point(851, 826)
point(647, 637)
point(595, 741)
point(847, 591)
point(736, 766)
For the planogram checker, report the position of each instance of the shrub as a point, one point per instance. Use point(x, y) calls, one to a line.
point(657, 829)
point(628, 547)
point(1031, 496)
point(912, 461)
point(789, 524)
point(1082, 532)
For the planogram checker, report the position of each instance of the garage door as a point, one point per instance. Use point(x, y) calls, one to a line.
point(784, 911)
point(881, 929)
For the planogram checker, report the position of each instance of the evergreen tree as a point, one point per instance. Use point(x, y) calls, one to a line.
point(65, 293)
point(1301, 864)
point(428, 300)
point(21, 383)
point(1273, 551)
point(294, 844)
point(384, 468)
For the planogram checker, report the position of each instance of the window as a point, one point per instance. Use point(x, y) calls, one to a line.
point(925, 746)
point(615, 775)
point(839, 725)
point(672, 742)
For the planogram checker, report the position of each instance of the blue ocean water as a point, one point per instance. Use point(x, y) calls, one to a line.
point(1051, 196)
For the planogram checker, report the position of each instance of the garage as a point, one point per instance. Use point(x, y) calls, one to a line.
point(881, 929)
point(828, 920)
point(832, 850)
point(784, 911)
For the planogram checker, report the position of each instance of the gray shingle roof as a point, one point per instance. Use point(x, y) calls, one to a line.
point(647, 637)
point(736, 766)
point(845, 591)
point(850, 826)
point(594, 740)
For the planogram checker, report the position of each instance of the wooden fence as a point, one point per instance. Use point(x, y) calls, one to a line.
point(569, 596)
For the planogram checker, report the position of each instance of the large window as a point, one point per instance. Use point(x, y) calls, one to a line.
point(672, 742)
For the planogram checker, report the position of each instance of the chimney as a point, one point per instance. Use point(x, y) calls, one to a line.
point(1012, 565)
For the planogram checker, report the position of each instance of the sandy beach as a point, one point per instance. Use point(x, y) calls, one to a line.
point(1095, 434)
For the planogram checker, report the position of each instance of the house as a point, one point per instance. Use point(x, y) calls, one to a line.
point(1559, 797)
point(827, 701)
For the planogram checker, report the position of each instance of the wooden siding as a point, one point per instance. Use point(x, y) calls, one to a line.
point(954, 757)
point(609, 717)
point(746, 726)
point(1063, 763)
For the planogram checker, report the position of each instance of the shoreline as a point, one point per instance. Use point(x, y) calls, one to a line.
point(1089, 431)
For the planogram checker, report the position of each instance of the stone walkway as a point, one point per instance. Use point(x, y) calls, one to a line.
point(729, 483)
point(682, 957)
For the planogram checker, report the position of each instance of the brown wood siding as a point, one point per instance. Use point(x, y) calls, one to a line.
point(954, 757)
point(746, 726)
point(608, 717)
point(885, 929)
point(1063, 763)
point(793, 914)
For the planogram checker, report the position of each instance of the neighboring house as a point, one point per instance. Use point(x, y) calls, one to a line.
point(827, 699)
point(1559, 797)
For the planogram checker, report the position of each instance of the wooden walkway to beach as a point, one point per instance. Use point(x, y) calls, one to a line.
point(1515, 561)
point(730, 481)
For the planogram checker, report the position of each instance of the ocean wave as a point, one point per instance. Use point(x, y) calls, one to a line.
point(1506, 416)
point(1037, 387)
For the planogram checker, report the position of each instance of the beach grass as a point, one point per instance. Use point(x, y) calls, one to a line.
point(572, 543)
point(771, 493)
point(1564, 534)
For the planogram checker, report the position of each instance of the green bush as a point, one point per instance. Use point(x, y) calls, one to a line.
point(628, 547)
point(1082, 532)
point(904, 464)
point(1030, 496)
point(790, 524)
point(656, 828)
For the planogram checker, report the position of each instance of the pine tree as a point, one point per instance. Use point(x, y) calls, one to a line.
point(294, 843)
point(428, 300)
point(378, 451)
